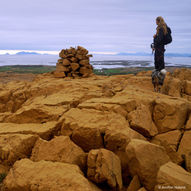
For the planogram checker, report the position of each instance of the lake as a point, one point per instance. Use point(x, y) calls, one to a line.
point(98, 61)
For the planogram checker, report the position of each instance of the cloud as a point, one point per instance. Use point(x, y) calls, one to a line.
point(100, 25)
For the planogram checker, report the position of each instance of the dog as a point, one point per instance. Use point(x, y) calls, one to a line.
point(158, 79)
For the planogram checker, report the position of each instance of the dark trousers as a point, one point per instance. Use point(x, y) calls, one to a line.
point(159, 58)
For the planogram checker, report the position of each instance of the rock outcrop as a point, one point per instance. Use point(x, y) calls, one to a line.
point(59, 149)
point(15, 146)
point(178, 84)
point(170, 141)
point(185, 144)
point(44, 175)
point(173, 177)
point(87, 126)
point(45, 131)
point(144, 160)
point(95, 133)
point(169, 114)
point(147, 128)
point(187, 158)
point(104, 166)
point(142, 189)
point(135, 184)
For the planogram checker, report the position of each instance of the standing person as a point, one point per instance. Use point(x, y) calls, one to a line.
point(161, 38)
point(159, 49)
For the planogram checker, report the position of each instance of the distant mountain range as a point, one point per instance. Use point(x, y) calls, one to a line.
point(118, 54)
point(178, 55)
point(149, 54)
point(27, 53)
point(134, 54)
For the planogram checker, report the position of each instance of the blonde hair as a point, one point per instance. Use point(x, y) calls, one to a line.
point(161, 24)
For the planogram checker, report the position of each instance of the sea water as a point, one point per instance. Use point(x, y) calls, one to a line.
point(98, 61)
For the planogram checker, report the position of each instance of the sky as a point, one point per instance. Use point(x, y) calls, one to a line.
point(105, 26)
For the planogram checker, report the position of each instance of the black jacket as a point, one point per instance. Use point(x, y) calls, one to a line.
point(159, 39)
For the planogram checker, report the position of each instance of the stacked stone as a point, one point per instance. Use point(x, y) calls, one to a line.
point(73, 62)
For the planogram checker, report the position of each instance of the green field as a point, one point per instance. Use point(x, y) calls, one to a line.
point(35, 69)
point(39, 69)
point(120, 71)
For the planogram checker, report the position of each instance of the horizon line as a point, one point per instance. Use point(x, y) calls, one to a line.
point(50, 52)
point(12, 52)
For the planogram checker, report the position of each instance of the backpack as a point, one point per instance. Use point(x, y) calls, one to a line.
point(167, 37)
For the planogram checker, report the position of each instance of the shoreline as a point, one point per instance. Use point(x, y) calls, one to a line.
point(38, 69)
point(29, 72)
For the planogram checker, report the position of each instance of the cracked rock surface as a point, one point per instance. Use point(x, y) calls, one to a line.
point(107, 129)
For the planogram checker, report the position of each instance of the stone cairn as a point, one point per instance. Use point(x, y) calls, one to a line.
point(74, 62)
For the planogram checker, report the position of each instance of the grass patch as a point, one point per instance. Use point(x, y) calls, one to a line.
point(120, 71)
point(39, 69)
point(108, 72)
point(35, 69)
point(2, 177)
